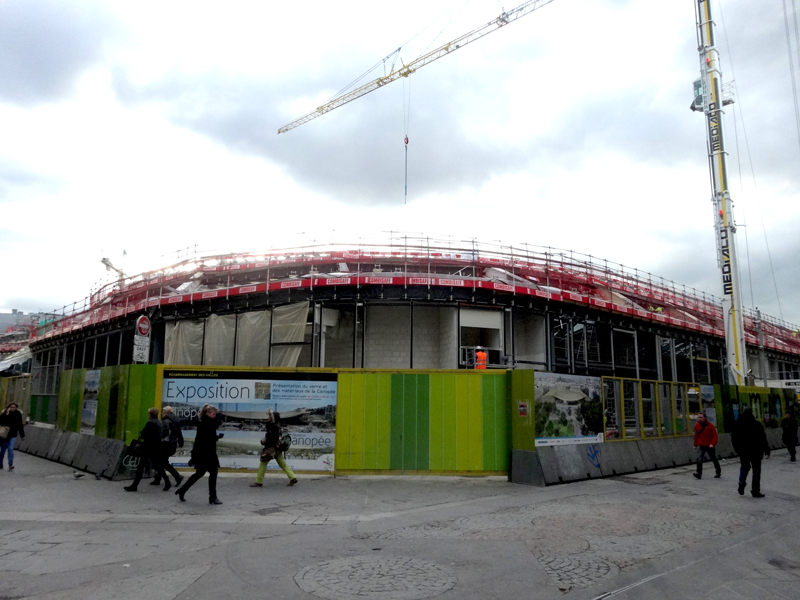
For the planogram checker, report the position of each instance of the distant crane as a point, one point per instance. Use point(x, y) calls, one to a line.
point(110, 267)
point(504, 19)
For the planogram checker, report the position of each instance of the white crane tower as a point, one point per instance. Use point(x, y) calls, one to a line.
point(709, 98)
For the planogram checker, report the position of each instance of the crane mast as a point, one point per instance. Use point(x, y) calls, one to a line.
point(709, 99)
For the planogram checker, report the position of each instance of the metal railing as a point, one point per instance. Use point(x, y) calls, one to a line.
point(525, 265)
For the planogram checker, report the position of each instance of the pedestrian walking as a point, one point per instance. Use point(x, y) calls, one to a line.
point(150, 449)
point(274, 447)
point(705, 442)
point(750, 443)
point(10, 428)
point(204, 454)
point(171, 440)
point(789, 437)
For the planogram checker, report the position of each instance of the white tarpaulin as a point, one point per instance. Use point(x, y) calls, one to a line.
point(288, 325)
point(19, 357)
point(220, 336)
point(184, 343)
point(252, 339)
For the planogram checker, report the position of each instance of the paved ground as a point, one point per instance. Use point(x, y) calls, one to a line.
point(653, 535)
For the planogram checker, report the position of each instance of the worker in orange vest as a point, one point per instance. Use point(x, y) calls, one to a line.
point(480, 358)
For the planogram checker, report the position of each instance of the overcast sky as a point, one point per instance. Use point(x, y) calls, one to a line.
point(151, 126)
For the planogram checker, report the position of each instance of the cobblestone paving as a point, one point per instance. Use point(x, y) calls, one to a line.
point(365, 577)
point(51, 550)
point(580, 540)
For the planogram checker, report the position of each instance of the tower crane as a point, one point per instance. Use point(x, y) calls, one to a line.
point(504, 19)
point(709, 99)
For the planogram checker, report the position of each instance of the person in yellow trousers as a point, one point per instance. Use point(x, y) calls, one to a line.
point(273, 448)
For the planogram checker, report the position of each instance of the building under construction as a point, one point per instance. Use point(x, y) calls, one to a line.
point(411, 304)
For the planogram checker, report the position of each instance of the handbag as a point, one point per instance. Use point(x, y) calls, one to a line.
point(134, 448)
point(4, 431)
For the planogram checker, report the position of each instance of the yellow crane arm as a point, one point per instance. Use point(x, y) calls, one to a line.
point(406, 70)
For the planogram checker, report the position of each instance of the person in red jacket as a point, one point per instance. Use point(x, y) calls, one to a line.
point(705, 441)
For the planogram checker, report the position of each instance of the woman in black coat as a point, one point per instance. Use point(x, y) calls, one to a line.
point(204, 454)
point(11, 418)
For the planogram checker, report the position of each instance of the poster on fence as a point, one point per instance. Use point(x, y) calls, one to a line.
point(91, 385)
point(568, 409)
point(306, 403)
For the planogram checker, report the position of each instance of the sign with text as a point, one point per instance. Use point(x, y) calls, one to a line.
point(141, 340)
point(306, 403)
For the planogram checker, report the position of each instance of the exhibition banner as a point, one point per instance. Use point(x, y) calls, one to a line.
point(306, 403)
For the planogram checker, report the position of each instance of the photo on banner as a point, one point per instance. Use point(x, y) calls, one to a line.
point(568, 409)
point(306, 403)
point(91, 385)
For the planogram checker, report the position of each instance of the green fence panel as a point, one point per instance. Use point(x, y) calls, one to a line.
point(495, 423)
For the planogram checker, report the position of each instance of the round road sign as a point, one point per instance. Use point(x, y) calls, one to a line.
point(143, 326)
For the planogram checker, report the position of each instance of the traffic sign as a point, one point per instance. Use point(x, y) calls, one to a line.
point(143, 326)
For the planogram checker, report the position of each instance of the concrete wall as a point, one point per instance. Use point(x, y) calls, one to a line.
point(388, 337)
point(435, 338)
point(530, 339)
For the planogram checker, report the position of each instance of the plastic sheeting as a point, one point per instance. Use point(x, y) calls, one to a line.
point(184, 343)
point(251, 336)
point(288, 325)
point(220, 338)
point(252, 339)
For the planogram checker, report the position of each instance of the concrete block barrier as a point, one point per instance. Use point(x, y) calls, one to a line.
point(30, 435)
point(774, 438)
point(579, 461)
point(99, 455)
point(657, 453)
point(621, 457)
point(725, 447)
point(68, 447)
point(549, 463)
point(36, 441)
point(526, 468)
point(53, 437)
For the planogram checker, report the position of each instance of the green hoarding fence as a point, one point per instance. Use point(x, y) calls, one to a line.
point(433, 422)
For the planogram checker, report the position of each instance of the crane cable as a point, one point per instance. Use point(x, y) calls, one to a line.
point(406, 121)
point(752, 171)
point(791, 60)
point(393, 56)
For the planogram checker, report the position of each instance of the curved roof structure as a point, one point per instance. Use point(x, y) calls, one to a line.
point(521, 271)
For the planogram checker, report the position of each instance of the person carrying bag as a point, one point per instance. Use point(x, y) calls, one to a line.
point(10, 427)
point(276, 442)
point(171, 440)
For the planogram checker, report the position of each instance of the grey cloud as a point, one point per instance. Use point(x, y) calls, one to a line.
point(45, 45)
point(13, 176)
point(684, 266)
point(356, 154)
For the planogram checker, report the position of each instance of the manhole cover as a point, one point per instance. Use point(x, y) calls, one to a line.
point(364, 577)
